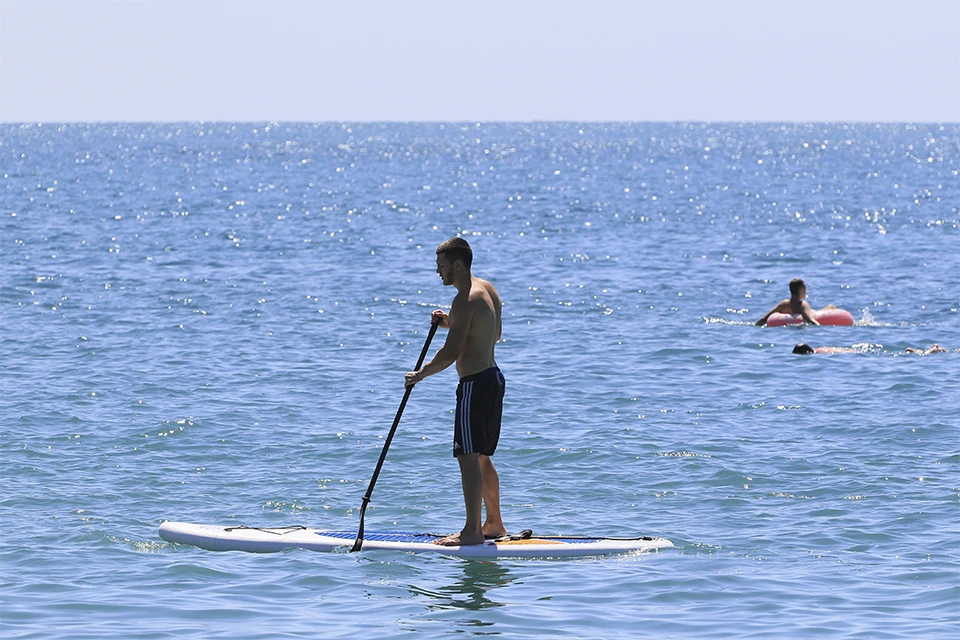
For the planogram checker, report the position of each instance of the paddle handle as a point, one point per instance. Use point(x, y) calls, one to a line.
point(358, 543)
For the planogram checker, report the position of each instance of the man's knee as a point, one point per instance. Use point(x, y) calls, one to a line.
point(468, 460)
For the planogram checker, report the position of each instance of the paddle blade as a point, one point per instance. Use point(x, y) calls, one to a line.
point(358, 543)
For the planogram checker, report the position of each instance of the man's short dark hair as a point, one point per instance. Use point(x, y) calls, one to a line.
point(456, 249)
point(795, 285)
point(802, 349)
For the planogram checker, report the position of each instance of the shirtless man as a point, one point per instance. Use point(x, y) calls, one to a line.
point(795, 304)
point(474, 329)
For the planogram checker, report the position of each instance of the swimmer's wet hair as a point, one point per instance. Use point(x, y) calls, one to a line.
point(802, 349)
point(795, 285)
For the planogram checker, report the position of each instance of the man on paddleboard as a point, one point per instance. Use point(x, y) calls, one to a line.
point(795, 304)
point(474, 329)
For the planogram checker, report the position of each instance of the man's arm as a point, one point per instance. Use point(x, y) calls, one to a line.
point(807, 312)
point(762, 321)
point(459, 323)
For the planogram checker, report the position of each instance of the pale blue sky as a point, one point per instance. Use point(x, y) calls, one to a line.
point(360, 60)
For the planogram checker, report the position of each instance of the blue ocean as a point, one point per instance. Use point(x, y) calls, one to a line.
point(210, 322)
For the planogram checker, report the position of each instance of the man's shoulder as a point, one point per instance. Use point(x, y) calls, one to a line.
point(482, 282)
point(482, 290)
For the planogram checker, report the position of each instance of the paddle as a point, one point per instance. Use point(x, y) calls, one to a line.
point(386, 445)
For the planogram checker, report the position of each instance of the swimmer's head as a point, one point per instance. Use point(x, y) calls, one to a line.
point(802, 348)
point(797, 286)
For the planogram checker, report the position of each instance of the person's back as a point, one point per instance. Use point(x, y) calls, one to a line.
point(794, 305)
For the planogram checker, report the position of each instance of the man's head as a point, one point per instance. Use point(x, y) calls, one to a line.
point(802, 349)
point(797, 288)
point(449, 253)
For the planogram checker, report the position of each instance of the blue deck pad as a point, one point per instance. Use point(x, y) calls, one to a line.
point(383, 536)
point(406, 536)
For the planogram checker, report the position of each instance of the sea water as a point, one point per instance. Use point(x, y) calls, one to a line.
point(210, 322)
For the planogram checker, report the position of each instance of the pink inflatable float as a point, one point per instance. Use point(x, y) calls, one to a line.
point(835, 317)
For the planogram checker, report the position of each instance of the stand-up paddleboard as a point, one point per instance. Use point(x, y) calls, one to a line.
point(271, 539)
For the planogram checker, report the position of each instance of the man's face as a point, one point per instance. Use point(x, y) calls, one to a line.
point(445, 269)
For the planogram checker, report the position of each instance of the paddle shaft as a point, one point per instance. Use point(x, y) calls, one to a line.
point(358, 543)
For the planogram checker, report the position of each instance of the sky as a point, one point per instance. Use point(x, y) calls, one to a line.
point(479, 60)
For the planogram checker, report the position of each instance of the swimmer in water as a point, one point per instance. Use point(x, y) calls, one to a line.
point(795, 304)
point(805, 349)
point(935, 348)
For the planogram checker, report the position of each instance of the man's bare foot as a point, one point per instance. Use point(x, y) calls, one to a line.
point(458, 540)
point(491, 532)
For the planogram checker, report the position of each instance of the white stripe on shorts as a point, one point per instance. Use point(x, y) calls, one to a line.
point(465, 436)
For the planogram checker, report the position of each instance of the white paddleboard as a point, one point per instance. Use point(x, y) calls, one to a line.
point(271, 539)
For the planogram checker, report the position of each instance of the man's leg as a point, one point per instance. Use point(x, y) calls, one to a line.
point(491, 498)
point(472, 480)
